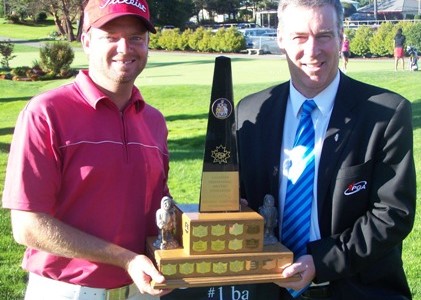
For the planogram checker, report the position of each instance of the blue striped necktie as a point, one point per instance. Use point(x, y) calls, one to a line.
point(299, 194)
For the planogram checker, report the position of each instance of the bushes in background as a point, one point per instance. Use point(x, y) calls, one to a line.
point(6, 52)
point(203, 40)
point(378, 42)
point(366, 41)
point(55, 61)
point(56, 58)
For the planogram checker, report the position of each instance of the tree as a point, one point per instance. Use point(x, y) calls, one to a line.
point(198, 7)
point(6, 51)
point(171, 12)
point(349, 9)
point(64, 12)
point(225, 7)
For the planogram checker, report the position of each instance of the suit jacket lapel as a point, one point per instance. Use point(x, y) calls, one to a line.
point(339, 129)
point(275, 127)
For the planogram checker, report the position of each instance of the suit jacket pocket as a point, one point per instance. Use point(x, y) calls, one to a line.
point(351, 195)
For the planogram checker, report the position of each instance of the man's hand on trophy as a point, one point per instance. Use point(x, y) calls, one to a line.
point(302, 267)
point(142, 271)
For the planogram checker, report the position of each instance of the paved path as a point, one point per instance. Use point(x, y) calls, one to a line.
point(33, 43)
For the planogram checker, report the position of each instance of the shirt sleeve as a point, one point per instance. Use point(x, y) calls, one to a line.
point(32, 176)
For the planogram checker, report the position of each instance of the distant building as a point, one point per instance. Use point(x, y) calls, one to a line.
point(398, 8)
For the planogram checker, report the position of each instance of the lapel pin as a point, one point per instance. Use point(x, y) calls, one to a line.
point(336, 137)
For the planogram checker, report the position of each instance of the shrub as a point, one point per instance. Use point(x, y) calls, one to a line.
point(6, 51)
point(204, 44)
point(41, 17)
point(56, 57)
point(224, 40)
point(413, 35)
point(183, 41)
point(217, 40)
point(381, 43)
point(169, 39)
point(233, 41)
point(196, 37)
point(20, 71)
point(14, 18)
point(154, 40)
point(361, 41)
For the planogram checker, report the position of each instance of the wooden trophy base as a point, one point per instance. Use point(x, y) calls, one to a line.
point(191, 282)
point(182, 270)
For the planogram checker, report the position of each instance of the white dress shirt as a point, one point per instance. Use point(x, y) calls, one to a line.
point(320, 117)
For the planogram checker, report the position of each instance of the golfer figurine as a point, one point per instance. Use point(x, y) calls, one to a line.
point(270, 216)
point(166, 222)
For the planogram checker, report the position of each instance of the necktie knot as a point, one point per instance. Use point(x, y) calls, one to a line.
point(307, 107)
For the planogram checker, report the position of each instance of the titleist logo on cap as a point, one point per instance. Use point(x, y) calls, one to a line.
point(129, 2)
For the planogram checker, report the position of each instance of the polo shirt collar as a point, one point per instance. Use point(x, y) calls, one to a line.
point(93, 95)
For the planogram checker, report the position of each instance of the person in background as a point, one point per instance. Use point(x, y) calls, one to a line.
point(345, 53)
point(356, 167)
point(88, 167)
point(399, 48)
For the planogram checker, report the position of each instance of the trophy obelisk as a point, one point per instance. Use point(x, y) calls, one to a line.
point(219, 243)
point(220, 180)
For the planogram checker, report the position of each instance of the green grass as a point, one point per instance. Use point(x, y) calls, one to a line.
point(26, 31)
point(180, 86)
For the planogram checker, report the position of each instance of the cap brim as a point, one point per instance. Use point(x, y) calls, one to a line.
point(102, 21)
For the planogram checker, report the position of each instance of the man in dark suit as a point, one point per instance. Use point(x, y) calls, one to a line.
point(364, 186)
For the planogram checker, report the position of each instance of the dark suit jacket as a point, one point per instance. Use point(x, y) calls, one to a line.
point(366, 183)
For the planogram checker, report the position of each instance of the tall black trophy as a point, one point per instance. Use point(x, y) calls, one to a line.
point(220, 183)
point(220, 243)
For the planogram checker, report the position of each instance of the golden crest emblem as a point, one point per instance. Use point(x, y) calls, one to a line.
point(237, 266)
point(218, 245)
point(220, 267)
point(220, 155)
point(203, 267)
point(218, 230)
point(235, 244)
point(236, 229)
point(169, 269)
point(200, 231)
point(200, 246)
point(186, 268)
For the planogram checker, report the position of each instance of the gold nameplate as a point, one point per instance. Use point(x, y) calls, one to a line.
point(220, 268)
point(218, 230)
point(220, 192)
point(200, 246)
point(236, 229)
point(237, 266)
point(203, 267)
point(200, 231)
point(235, 244)
point(186, 268)
point(218, 245)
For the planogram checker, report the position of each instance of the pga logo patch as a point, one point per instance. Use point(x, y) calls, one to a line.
point(355, 187)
